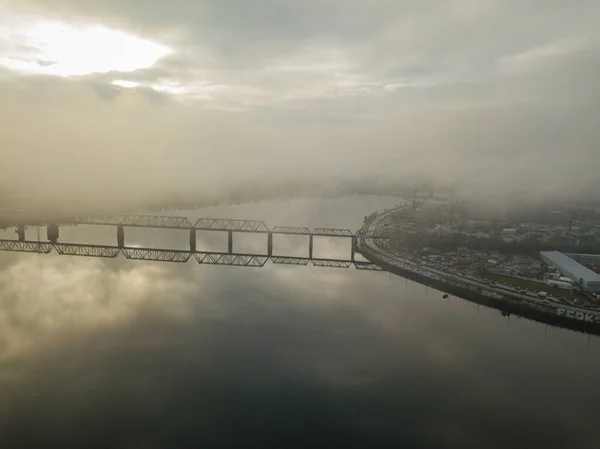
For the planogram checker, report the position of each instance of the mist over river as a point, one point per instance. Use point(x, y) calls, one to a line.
point(129, 354)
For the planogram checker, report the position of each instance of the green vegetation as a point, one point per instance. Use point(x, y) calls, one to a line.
point(533, 285)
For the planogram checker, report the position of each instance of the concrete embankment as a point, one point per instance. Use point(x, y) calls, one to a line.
point(547, 314)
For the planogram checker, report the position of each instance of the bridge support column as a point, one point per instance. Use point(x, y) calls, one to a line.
point(52, 232)
point(21, 232)
point(230, 241)
point(192, 240)
point(310, 246)
point(353, 250)
point(120, 236)
point(270, 244)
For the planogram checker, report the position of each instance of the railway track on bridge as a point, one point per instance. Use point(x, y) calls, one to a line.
point(225, 225)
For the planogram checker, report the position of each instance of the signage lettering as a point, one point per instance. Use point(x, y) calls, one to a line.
point(581, 316)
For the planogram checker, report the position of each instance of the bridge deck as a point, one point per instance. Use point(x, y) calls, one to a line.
point(211, 224)
point(174, 255)
point(228, 225)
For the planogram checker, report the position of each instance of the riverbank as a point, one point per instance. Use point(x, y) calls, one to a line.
point(554, 314)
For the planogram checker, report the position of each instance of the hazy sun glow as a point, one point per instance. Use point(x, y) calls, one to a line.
point(126, 84)
point(36, 46)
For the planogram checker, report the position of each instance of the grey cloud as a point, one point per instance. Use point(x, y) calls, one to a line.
point(241, 31)
point(385, 42)
point(105, 91)
point(113, 93)
point(436, 88)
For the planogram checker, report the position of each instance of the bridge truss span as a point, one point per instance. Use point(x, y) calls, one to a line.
point(238, 260)
point(227, 224)
point(284, 260)
point(367, 266)
point(109, 221)
point(70, 249)
point(292, 230)
point(230, 226)
point(26, 247)
point(331, 263)
point(157, 255)
point(332, 232)
point(178, 256)
point(156, 221)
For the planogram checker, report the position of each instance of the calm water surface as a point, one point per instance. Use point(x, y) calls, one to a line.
point(119, 354)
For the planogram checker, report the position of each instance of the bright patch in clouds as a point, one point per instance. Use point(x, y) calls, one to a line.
point(36, 46)
point(126, 84)
point(536, 56)
point(170, 87)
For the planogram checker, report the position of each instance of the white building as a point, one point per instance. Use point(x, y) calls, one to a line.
point(582, 276)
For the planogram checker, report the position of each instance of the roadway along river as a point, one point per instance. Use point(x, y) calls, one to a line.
point(130, 354)
point(469, 282)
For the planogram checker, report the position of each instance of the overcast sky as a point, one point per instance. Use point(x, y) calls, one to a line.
point(156, 95)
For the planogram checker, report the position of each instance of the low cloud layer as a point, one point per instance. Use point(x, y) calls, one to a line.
point(206, 94)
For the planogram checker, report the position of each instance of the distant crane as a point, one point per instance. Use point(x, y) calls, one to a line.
point(415, 204)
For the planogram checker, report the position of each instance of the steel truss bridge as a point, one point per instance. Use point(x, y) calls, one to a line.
point(229, 226)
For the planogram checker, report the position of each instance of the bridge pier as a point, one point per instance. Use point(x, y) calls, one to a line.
point(120, 236)
point(52, 232)
point(229, 257)
point(270, 244)
point(192, 240)
point(21, 232)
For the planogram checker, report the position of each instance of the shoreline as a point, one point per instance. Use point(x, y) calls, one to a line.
point(554, 314)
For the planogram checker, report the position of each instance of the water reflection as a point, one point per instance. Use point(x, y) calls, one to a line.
point(128, 354)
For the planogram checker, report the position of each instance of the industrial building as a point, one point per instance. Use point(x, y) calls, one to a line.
point(582, 276)
point(591, 261)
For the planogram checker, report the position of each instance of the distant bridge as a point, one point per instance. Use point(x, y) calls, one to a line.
point(229, 226)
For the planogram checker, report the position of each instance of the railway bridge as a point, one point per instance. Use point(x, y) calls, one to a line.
point(225, 225)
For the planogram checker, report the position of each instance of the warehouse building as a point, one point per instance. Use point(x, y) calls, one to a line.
point(582, 276)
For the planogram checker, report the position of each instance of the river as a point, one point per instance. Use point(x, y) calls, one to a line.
point(129, 354)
